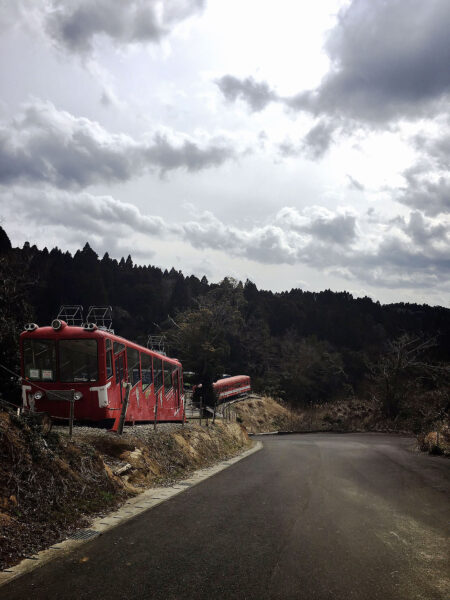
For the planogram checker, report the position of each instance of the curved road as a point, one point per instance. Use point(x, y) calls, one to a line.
point(317, 516)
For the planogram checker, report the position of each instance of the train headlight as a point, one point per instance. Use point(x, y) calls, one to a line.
point(38, 395)
point(77, 395)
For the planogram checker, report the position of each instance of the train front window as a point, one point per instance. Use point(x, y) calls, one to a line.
point(78, 360)
point(39, 357)
point(134, 373)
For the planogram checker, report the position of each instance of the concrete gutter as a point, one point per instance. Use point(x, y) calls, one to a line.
point(134, 506)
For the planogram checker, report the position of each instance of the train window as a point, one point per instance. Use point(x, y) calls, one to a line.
point(134, 371)
point(167, 377)
point(118, 347)
point(120, 368)
point(78, 360)
point(109, 359)
point(39, 357)
point(146, 370)
point(176, 383)
point(158, 372)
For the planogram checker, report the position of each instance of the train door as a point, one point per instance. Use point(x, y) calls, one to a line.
point(121, 372)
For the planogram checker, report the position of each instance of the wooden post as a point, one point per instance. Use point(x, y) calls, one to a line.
point(71, 413)
point(156, 413)
point(124, 410)
point(184, 409)
point(201, 408)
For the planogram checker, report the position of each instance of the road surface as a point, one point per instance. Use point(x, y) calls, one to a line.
point(317, 516)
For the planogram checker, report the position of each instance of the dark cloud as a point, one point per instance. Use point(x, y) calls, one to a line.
point(427, 181)
point(257, 94)
point(318, 139)
point(75, 24)
point(324, 225)
point(46, 145)
point(315, 143)
point(389, 61)
point(341, 229)
point(430, 196)
point(187, 155)
point(424, 233)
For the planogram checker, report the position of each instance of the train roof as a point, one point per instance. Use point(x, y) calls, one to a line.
point(234, 379)
point(75, 332)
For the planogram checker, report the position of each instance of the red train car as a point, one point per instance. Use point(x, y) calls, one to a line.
point(232, 387)
point(97, 364)
point(228, 388)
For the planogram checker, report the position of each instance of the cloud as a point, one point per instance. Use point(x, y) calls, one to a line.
point(333, 227)
point(354, 184)
point(388, 62)
point(314, 145)
point(430, 196)
point(43, 144)
point(257, 94)
point(427, 181)
point(84, 212)
point(76, 25)
point(319, 139)
point(412, 252)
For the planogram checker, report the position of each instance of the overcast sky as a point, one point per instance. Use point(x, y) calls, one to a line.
point(294, 143)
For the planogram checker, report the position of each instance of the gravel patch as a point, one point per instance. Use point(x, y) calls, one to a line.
point(142, 431)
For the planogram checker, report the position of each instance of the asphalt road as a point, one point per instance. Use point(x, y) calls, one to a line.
point(323, 516)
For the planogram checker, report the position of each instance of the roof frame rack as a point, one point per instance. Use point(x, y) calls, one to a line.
point(101, 316)
point(72, 314)
point(157, 343)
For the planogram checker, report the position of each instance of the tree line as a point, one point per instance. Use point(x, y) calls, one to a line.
point(303, 347)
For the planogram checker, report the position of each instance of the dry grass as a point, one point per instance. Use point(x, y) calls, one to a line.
point(264, 414)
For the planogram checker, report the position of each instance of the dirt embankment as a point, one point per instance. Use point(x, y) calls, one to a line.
point(50, 486)
point(264, 414)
